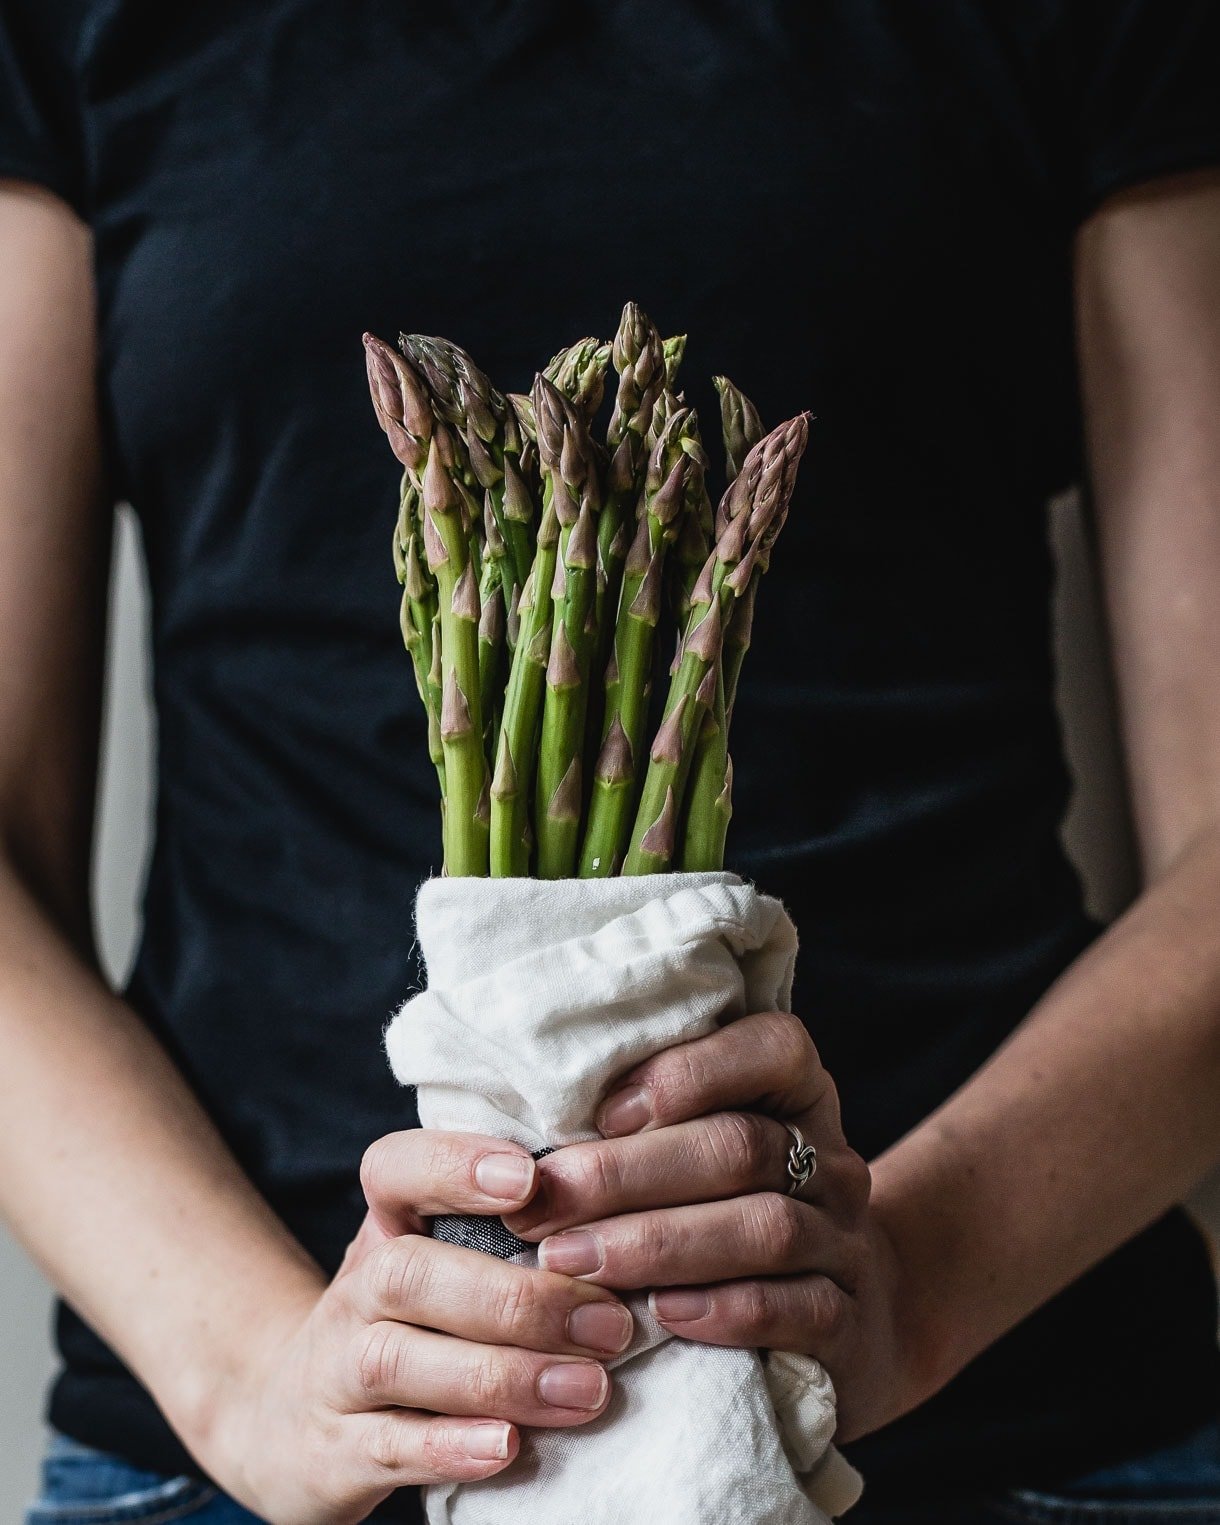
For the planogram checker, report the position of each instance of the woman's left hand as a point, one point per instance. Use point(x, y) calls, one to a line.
point(688, 1195)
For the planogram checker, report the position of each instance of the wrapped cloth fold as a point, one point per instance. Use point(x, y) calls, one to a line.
point(539, 995)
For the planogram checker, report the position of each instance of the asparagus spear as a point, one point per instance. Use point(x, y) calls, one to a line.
point(491, 649)
point(404, 411)
point(628, 675)
point(419, 612)
point(564, 466)
point(492, 441)
point(674, 350)
point(639, 359)
point(452, 559)
point(579, 372)
point(666, 405)
point(694, 537)
point(401, 402)
point(739, 422)
point(751, 515)
point(523, 406)
point(709, 804)
point(573, 637)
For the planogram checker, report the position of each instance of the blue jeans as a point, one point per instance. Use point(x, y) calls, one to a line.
point(85, 1487)
point(1173, 1485)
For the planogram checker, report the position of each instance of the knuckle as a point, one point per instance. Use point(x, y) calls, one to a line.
point(780, 1226)
point(376, 1166)
point(438, 1448)
point(383, 1443)
point(737, 1143)
point(827, 1309)
point(595, 1174)
point(488, 1384)
point(786, 1037)
point(379, 1361)
point(445, 1164)
point(398, 1273)
point(514, 1304)
point(676, 1080)
point(752, 1313)
point(652, 1238)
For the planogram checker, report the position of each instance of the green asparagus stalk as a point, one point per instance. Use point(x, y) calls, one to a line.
point(709, 805)
point(419, 614)
point(404, 411)
point(629, 672)
point(709, 802)
point(491, 649)
point(751, 515)
point(639, 360)
point(451, 559)
point(739, 423)
point(694, 537)
point(560, 790)
point(564, 467)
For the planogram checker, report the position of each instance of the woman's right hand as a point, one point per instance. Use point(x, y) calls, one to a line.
point(419, 1360)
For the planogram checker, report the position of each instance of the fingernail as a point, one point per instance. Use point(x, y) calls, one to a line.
point(486, 1442)
point(679, 1307)
point(601, 1326)
point(574, 1385)
point(506, 1176)
point(570, 1254)
point(627, 1112)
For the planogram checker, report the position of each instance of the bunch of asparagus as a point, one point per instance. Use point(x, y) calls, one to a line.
point(540, 568)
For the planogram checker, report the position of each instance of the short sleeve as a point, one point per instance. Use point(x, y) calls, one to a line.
point(1143, 90)
point(40, 138)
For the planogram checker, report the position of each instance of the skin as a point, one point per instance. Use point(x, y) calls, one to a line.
point(310, 1400)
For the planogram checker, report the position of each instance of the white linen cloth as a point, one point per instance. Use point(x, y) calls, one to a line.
point(539, 995)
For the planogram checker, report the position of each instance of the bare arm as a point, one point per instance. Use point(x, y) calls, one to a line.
point(294, 1393)
point(101, 1144)
point(1102, 1110)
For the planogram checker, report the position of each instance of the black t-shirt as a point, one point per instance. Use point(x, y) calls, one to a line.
point(863, 208)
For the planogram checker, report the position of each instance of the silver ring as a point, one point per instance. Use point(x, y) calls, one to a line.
point(802, 1161)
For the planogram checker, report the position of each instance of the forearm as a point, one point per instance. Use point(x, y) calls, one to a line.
point(117, 1182)
point(1097, 1115)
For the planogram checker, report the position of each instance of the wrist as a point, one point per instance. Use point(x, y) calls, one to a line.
point(228, 1352)
point(931, 1332)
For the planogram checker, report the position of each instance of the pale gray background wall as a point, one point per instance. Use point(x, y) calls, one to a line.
point(1097, 835)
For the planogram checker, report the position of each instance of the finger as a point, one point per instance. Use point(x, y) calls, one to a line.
point(765, 1234)
point(463, 1292)
point(398, 1449)
point(801, 1313)
point(725, 1155)
point(766, 1063)
point(425, 1172)
point(392, 1364)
